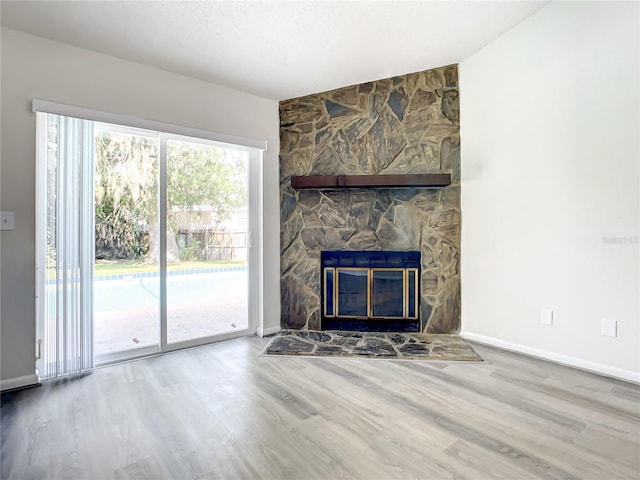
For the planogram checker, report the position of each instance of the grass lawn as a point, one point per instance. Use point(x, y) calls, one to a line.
point(107, 267)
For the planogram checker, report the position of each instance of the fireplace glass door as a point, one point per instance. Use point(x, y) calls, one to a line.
point(353, 292)
point(388, 293)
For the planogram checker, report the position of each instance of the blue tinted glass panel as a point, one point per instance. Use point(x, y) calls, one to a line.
point(387, 295)
point(328, 292)
point(352, 293)
point(411, 293)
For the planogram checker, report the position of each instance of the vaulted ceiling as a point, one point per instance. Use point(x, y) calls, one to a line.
point(276, 50)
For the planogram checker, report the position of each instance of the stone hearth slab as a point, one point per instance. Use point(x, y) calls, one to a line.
point(392, 345)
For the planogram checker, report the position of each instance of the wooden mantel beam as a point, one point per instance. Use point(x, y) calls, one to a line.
point(371, 181)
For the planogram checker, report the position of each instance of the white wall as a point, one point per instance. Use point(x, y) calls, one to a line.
point(33, 67)
point(550, 152)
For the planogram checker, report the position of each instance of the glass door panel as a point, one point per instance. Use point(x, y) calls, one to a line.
point(207, 240)
point(353, 292)
point(126, 272)
point(387, 293)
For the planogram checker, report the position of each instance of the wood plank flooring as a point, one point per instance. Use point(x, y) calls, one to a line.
point(223, 411)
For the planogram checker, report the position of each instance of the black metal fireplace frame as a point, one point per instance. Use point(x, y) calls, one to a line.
point(332, 262)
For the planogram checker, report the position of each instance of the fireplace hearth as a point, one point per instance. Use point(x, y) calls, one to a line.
point(370, 291)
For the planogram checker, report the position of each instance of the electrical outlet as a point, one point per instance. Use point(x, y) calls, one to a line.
point(546, 316)
point(609, 327)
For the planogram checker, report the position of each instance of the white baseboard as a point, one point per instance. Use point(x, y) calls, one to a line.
point(619, 373)
point(19, 382)
point(264, 332)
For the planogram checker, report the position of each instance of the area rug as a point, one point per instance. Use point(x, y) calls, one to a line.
point(391, 345)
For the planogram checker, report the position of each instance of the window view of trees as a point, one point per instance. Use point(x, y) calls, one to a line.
point(206, 187)
point(126, 182)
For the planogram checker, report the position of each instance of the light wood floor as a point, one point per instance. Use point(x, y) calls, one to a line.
point(223, 411)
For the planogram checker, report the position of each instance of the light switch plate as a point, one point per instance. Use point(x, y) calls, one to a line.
point(546, 316)
point(609, 327)
point(7, 221)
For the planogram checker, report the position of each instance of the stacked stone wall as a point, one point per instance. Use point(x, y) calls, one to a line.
point(404, 124)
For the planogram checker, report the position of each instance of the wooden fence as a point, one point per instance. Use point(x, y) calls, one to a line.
point(203, 244)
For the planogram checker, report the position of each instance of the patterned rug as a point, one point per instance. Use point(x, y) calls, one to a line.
point(391, 345)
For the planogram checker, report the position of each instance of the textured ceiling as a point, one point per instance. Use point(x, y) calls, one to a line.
point(276, 50)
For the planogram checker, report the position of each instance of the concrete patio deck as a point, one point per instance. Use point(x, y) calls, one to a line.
point(127, 311)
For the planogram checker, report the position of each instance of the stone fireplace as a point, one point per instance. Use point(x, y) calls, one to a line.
point(402, 125)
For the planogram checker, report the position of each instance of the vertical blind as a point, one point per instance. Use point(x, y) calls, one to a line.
point(67, 149)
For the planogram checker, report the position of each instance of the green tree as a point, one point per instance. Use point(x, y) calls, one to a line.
point(201, 175)
point(126, 175)
point(202, 180)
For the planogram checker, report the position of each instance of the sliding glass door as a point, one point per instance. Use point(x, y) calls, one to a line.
point(207, 232)
point(166, 255)
point(126, 282)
